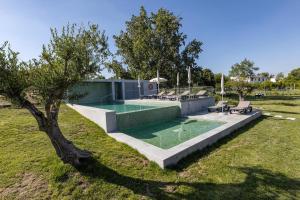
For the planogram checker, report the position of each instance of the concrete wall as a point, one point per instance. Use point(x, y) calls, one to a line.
point(106, 119)
point(138, 118)
point(92, 92)
point(101, 91)
point(196, 105)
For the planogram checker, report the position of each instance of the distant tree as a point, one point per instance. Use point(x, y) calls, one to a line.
point(191, 53)
point(117, 68)
point(153, 42)
point(150, 43)
point(70, 57)
point(196, 72)
point(218, 77)
point(280, 76)
point(294, 75)
point(242, 88)
point(208, 77)
point(242, 71)
point(266, 75)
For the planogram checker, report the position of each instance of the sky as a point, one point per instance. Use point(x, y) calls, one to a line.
point(264, 31)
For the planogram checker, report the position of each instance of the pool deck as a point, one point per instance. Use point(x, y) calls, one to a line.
point(169, 157)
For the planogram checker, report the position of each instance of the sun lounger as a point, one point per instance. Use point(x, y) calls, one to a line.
point(183, 95)
point(160, 95)
point(154, 95)
point(200, 93)
point(218, 107)
point(242, 107)
point(168, 95)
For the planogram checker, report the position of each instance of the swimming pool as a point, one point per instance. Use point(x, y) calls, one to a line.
point(121, 108)
point(168, 134)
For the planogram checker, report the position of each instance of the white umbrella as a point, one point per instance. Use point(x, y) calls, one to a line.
point(177, 82)
point(139, 82)
point(158, 80)
point(189, 79)
point(222, 88)
point(139, 86)
point(157, 76)
point(155, 80)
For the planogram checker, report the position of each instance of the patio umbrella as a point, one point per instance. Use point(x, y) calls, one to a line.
point(139, 86)
point(158, 80)
point(222, 88)
point(189, 79)
point(177, 82)
point(157, 76)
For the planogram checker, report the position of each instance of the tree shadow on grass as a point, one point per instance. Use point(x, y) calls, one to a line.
point(259, 183)
point(281, 111)
point(252, 98)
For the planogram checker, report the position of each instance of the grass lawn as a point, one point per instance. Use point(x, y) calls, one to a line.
point(260, 161)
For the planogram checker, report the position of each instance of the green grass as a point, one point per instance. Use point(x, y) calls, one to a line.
point(260, 161)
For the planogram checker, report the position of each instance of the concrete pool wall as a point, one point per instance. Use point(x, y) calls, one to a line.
point(197, 109)
point(111, 121)
point(187, 107)
point(106, 119)
point(138, 118)
point(168, 157)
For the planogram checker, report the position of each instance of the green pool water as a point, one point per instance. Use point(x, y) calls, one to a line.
point(121, 108)
point(171, 133)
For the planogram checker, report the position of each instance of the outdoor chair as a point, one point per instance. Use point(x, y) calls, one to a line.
point(183, 95)
point(153, 95)
point(169, 96)
point(160, 95)
point(200, 93)
point(218, 107)
point(242, 107)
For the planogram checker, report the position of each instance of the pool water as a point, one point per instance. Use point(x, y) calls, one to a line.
point(121, 108)
point(171, 133)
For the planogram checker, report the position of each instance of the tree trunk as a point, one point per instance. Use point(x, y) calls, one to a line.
point(241, 98)
point(65, 149)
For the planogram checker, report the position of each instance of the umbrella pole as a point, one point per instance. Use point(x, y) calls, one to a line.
point(222, 104)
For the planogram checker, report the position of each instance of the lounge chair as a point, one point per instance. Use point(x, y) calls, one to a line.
point(242, 107)
point(153, 95)
point(183, 95)
point(218, 107)
point(160, 95)
point(169, 95)
point(200, 93)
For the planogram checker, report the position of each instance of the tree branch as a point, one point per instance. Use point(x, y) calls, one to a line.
point(38, 115)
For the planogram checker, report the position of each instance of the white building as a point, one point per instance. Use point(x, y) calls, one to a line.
point(253, 79)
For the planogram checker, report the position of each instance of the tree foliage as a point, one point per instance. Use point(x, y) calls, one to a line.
point(294, 75)
point(117, 68)
point(280, 76)
point(153, 42)
point(71, 56)
point(242, 88)
point(243, 70)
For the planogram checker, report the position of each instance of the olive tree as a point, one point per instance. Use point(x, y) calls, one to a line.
point(242, 72)
point(72, 55)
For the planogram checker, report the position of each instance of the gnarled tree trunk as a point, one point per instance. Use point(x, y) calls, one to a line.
point(64, 148)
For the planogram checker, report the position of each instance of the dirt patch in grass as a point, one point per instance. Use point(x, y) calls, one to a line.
point(30, 186)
